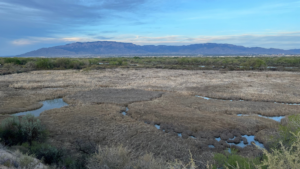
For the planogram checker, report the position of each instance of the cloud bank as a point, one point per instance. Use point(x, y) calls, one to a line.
point(31, 24)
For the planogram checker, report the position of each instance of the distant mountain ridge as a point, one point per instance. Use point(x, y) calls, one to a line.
point(120, 48)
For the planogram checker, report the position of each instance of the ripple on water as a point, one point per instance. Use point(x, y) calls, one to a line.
point(47, 105)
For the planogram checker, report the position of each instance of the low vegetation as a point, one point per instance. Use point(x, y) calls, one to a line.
point(18, 65)
point(285, 153)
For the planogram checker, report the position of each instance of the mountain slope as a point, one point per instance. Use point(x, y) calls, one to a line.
point(118, 48)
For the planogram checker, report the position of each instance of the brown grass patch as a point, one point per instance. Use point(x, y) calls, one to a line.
point(105, 125)
point(247, 85)
point(184, 113)
point(115, 96)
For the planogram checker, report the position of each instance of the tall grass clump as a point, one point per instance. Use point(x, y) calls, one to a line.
point(283, 157)
point(17, 130)
point(120, 158)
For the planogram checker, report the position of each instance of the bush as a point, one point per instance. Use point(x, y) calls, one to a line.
point(44, 64)
point(283, 157)
point(254, 64)
point(15, 61)
point(284, 134)
point(30, 65)
point(76, 64)
point(47, 153)
point(17, 130)
point(18, 160)
point(62, 63)
point(233, 160)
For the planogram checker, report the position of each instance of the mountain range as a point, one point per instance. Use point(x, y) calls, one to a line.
point(120, 48)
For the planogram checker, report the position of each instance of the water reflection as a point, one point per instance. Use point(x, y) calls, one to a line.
point(47, 105)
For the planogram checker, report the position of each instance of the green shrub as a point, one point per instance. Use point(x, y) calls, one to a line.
point(254, 64)
point(283, 157)
point(63, 63)
point(47, 153)
point(30, 65)
point(75, 64)
point(233, 160)
point(15, 61)
point(94, 61)
point(284, 135)
point(17, 130)
point(44, 63)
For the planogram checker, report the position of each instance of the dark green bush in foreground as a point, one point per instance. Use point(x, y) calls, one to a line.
point(17, 130)
point(49, 154)
point(28, 132)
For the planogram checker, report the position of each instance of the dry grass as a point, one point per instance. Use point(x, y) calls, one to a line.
point(178, 110)
point(106, 126)
point(190, 115)
point(259, 86)
point(113, 96)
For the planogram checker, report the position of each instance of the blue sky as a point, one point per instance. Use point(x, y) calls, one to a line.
point(27, 25)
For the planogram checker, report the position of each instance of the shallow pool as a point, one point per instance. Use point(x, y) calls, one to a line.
point(125, 112)
point(47, 105)
point(276, 118)
point(207, 98)
point(241, 144)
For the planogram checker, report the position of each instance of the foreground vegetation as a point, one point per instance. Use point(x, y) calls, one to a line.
point(28, 137)
point(18, 65)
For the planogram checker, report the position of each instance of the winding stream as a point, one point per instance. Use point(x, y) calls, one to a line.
point(47, 105)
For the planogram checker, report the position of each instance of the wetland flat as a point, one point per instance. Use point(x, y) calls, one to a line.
point(155, 110)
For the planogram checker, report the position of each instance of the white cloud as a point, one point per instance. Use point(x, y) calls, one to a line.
point(21, 42)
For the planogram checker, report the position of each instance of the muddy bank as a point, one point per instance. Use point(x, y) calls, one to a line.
point(20, 100)
point(114, 96)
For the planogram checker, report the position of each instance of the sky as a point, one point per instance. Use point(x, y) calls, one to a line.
point(27, 25)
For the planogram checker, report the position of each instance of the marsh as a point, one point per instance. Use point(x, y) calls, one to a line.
point(156, 97)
